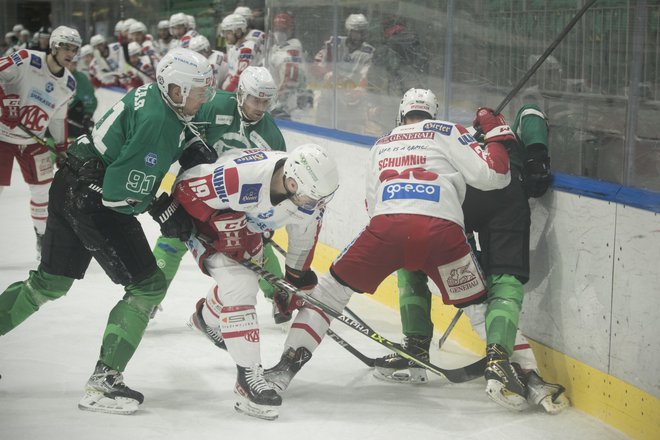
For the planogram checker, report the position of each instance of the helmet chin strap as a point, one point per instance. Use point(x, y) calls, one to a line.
point(56, 62)
point(176, 108)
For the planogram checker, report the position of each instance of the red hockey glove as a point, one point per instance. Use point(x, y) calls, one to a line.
point(10, 109)
point(494, 127)
point(233, 237)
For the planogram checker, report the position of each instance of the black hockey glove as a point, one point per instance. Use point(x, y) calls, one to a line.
point(173, 219)
point(195, 153)
point(302, 279)
point(538, 176)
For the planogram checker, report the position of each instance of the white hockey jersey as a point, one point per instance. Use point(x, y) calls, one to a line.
point(239, 58)
point(423, 168)
point(240, 181)
point(107, 71)
point(220, 67)
point(351, 67)
point(285, 63)
point(43, 98)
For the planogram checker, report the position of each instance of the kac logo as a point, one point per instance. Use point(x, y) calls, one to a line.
point(49, 86)
point(150, 160)
point(419, 191)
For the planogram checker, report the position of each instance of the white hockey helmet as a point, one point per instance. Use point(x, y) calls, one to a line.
point(64, 35)
point(128, 23)
point(96, 40)
point(357, 22)
point(192, 24)
point(179, 19)
point(119, 27)
point(234, 22)
point(134, 49)
point(199, 43)
point(85, 50)
point(255, 81)
point(244, 12)
point(186, 69)
point(138, 26)
point(422, 100)
point(163, 24)
point(17, 28)
point(314, 171)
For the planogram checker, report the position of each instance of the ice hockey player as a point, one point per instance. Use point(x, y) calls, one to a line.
point(137, 32)
point(240, 50)
point(201, 45)
point(234, 121)
point(109, 178)
point(108, 68)
point(233, 201)
point(416, 182)
point(165, 39)
point(83, 105)
point(143, 69)
point(502, 220)
point(354, 57)
point(286, 63)
point(181, 30)
point(35, 90)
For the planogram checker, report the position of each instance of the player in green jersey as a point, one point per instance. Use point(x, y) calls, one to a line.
point(230, 121)
point(109, 178)
point(502, 220)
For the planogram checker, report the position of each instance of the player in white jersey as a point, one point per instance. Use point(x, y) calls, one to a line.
point(35, 90)
point(240, 50)
point(354, 57)
point(108, 68)
point(137, 32)
point(415, 184)
point(165, 39)
point(233, 201)
point(259, 38)
point(285, 62)
point(201, 45)
point(181, 30)
point(142, 69)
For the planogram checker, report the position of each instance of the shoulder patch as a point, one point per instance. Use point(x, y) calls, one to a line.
point(254, 157)
point(35, 61)
point(438, 127)
point(249, 193)
point(231, 180)
point(17, 58)
point(71, 83)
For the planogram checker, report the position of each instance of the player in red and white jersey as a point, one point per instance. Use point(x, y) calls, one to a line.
point(181, 30)
point(108, 67)
point(201, 45)
point(137, 32)
point(416, 181)
point(35, 90)
point(240, 50)
point(233, 201)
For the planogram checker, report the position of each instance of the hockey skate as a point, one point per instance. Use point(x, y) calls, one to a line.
point(503, 385)
point(280, 375)
point(106, 392)
point(257, 398)
point(395, 368)
point(196, 321)
point(550, 396)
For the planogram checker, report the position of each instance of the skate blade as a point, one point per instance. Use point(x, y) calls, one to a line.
point(556, 405)
point(98, 402)
point(251, 409)
point(402, 376)
point(503, 397)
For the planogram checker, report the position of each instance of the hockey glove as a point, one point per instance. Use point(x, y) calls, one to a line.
point(494, 127)
point(60, 154)
point(234, 239)
point(195, 153)
point(538, 176)
point(302, 279)
point(173, 219)
point(10, 106)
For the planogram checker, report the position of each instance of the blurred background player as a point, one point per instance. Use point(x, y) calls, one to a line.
point(86, 57)
point(240, 51)
point(143, 71)
point(83, 105)
point(137, 33)
point(286, 63)
point(201, 45)
point(22, 75)
point(165, 39)
point(352, 65)
point(181, 30)
point(108, 68)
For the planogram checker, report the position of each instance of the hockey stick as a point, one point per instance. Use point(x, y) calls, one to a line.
point(33, 136)
point(457, 375)
point(450, 327)
point(545, 55)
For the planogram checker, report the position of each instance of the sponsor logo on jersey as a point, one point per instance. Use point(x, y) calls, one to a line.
point(16, 58)
point(467, 139)
point(150, 159)
point(49, 86)
point(405, 137)
point(267, 214)
point(461, 278)
point(41, 98)
point(438, 127)
point(249, 193)
point(419, 191)
point(255, 157)
point(35, 61)
point(71, 84)
point(219, 184)
point(401, 161)
point(224, 119)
